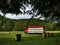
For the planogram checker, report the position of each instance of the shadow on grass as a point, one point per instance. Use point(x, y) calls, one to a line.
point(32, 40)
point(57, 35)
point(6, 41)
point(57, 38)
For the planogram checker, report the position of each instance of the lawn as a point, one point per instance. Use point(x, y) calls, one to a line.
point(29, 39)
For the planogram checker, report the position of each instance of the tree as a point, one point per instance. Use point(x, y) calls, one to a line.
point(10, 6)
point(8, 26)
point(50, 9)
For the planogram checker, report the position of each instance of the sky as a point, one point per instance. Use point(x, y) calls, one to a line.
point(19, 16)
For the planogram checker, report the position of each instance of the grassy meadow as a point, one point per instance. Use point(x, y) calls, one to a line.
point(28, 39)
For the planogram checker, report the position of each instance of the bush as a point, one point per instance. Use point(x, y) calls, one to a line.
point(49, 26)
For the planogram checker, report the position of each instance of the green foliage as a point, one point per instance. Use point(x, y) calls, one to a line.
point(0, 24)
point(19, 25)
point(49, 26)
point(57, 27)
point(8, 26)
point(1, 18)
point(46, 7)
point(22, 24)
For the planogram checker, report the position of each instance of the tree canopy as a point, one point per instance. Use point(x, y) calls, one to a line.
point(47, 8)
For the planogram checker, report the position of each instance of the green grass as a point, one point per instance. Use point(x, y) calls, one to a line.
point(29, 39)
point(53, 31)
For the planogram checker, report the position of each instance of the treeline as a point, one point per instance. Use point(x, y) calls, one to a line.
point(19, 25)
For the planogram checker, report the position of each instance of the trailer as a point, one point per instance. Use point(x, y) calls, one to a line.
point(34, 29)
